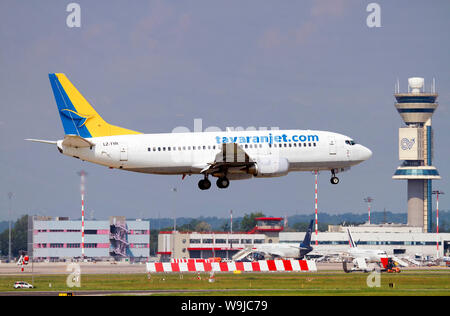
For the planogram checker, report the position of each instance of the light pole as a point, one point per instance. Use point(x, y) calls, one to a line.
point(10, 195)
point(315, 203)
point(437, 192)
point(231, 221)
point(174, 190)
point(83, 174)
point(174, 215)
point(369, 201)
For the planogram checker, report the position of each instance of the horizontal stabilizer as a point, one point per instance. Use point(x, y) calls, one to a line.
point(76, 141)
point(42, 141)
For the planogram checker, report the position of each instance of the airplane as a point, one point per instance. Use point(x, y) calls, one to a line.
point(361, 257)
point(368, 254)
point(284, 251)
point(229, 155)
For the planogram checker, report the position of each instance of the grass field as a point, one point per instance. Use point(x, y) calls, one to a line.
point(320, 283)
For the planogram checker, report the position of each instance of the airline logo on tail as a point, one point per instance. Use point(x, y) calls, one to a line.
point(79, 118)
point(350, 238)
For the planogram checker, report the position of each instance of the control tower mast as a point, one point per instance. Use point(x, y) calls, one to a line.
point(416, 149)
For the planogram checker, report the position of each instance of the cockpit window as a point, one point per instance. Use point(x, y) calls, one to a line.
point(350, 142)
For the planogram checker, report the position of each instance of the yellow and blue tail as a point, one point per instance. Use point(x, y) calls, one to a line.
point(77, 115)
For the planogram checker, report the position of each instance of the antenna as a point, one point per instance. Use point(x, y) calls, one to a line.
point(369, 200)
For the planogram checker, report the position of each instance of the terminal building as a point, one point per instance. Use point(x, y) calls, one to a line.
point(59, 238)
point(395, 239)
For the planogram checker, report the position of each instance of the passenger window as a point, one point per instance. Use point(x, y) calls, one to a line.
point(149, 149)
point(168, 148)
point(204, 147)
point(164, 148)
point(159, 148)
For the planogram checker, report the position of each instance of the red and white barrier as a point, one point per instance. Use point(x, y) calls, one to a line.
point(190, 260)
point(256, 266)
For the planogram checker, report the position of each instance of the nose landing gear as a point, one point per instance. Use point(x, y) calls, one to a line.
point(334, 179)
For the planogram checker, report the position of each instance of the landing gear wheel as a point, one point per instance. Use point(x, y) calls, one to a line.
point(334, 180)
point(204, 184)
point(223, 183)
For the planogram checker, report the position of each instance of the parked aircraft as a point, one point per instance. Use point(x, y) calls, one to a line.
point(278, 250)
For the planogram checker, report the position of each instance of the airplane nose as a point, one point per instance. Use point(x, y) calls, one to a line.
point(366, 153)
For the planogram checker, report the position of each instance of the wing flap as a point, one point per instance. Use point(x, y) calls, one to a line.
point(231, 156)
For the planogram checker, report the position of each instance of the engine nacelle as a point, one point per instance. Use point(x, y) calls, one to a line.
point(267, 167)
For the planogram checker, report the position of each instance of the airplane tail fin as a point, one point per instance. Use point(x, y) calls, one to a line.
point(77, 115)
point(350, 239)
point(306, 243)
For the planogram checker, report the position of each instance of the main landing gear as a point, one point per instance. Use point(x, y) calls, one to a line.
point(221, 183)
point(204, 184)
point(334, 179)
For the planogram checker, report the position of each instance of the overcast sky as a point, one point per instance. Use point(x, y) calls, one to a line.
point(152, 66)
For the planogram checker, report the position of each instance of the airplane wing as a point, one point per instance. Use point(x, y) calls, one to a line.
point(231, 156)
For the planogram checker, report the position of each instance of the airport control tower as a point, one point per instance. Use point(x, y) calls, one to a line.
point(415, 147)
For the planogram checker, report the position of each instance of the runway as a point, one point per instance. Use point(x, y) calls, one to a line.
point(43, 268)
point(64, 268)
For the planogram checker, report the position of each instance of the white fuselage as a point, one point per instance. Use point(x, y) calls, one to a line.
point(279, 250)
point(372, 255)
point(190, 153)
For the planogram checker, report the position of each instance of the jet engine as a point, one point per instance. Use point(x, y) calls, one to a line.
point(268, 167)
